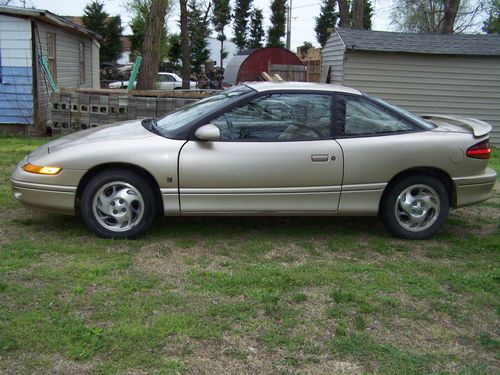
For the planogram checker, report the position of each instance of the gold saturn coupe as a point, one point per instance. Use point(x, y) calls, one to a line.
point(265, 149)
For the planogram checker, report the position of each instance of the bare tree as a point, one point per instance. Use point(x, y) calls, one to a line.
point(357, 14)
point(436, 16)
point(185, 47)
point(343, 13)
point(151, 45)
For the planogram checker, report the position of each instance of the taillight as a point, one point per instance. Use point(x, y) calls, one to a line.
point(480, 150)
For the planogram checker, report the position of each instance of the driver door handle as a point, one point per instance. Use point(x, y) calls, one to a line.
point(319, 157)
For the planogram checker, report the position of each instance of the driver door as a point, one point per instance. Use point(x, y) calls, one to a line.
point(276, 155)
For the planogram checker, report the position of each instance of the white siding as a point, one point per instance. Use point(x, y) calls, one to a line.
point(16, 78)
point(333, 55)
point(67, 63)
point(461, 85)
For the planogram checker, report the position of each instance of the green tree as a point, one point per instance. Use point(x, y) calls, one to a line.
point(174, 55)
point(277, 29)
point(327, 19)
point(221, 18)
point(240, 25)
point(492, 24)
point(96, 19)
point(257, 33)
point(140, 10)
point(367, 14)
point(198, 30)
point(304, 48)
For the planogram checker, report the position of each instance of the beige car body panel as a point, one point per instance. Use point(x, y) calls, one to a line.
point(346, 176)
point(260, 177)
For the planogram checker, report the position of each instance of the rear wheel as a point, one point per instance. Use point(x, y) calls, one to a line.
point(415, 207)
point(118, 204)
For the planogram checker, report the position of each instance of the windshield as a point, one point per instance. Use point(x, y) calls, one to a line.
point(405, 113)
point(171, 123)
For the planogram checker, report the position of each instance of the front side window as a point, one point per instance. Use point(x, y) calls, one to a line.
point(358, 116)
point(176, 124)
point(278, 117)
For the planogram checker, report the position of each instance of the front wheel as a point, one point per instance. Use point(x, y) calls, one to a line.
point(118, 204)
point(415, 207)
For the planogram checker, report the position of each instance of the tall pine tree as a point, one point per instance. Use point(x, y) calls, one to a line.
point(367, 14)
point(240, 26)
point(221, 18)
point(277, 29)
point(198, 28)
point(257, 33)
point(96, 19)
point(492, 24)
point(327, 19)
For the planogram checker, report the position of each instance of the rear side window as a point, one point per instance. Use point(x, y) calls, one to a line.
point(358, 116)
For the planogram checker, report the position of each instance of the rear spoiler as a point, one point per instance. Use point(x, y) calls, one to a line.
point(478, 127)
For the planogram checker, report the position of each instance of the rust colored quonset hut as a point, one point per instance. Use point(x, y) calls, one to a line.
point(247, 65)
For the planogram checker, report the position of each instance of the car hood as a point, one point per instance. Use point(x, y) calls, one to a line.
point(129, 130)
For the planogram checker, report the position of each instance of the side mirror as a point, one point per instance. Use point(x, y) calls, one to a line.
point(208, 132)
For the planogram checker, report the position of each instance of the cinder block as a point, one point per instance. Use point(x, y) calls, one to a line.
point(84, 99)
point(104, 100)
point(95, 99)
point(64, 97)
point(64, 106)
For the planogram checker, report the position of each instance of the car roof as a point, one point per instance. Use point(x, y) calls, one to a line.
point(303, 86)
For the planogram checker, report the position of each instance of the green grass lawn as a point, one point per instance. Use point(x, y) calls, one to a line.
point(247, 295)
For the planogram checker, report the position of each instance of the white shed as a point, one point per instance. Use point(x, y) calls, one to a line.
point(28, 36)
point(424, 73)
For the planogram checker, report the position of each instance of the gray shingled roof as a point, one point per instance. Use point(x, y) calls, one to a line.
point(455, 44)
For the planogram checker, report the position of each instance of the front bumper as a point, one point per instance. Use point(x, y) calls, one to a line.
point(54, 194)
point(474, 189)
point(49, 198)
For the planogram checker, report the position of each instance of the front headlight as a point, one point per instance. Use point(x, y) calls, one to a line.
point(41, 170)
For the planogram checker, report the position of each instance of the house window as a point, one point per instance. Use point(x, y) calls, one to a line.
point(81, 59)
point(51, 55)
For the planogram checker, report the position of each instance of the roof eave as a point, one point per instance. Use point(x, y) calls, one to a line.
point(50, 18)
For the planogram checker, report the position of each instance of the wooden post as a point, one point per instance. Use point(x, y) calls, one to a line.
point(37, 122)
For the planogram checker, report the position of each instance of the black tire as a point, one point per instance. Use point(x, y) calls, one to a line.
point(138, 204)
point(429, 200)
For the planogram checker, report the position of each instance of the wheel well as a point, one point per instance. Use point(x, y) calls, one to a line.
point(131, 167)
point(429, 171)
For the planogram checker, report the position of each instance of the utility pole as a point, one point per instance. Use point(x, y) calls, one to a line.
point(289, 26)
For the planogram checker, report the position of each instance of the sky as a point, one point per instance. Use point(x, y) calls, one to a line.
point(303, 13)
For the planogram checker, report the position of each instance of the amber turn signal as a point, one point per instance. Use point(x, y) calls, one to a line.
point(41, 170)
